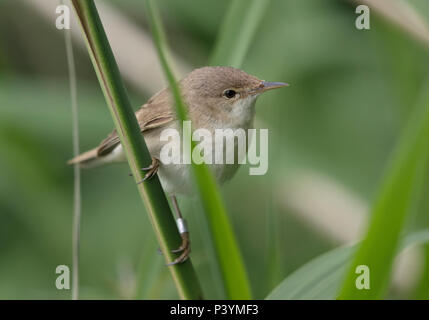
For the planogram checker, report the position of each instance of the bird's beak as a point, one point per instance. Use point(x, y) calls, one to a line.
point(266, 85)
point(272, 85)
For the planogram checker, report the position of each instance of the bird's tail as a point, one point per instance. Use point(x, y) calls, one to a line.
point(87, 159)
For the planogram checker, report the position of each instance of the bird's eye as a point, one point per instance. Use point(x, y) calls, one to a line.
point(229, 94)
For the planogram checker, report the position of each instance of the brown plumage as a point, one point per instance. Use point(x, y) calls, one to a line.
point(147, 119)
point(204, 91)
point(216, 98)
point(159, 110)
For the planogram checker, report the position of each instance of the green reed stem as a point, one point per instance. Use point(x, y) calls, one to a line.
point(228, 254)
point(135, 148)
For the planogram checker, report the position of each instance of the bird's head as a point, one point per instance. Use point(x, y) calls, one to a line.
point(225, 90)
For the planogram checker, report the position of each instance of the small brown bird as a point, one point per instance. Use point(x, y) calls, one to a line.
point(216, 98)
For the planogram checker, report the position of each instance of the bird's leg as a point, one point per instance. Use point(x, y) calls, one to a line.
point(151, 170)
point(185, 247)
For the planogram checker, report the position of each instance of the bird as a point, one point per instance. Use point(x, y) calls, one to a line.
point(216, 97)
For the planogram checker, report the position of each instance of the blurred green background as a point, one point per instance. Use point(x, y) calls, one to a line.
point(351, 93)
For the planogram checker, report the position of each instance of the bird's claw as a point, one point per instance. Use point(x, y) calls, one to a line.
point(185, 249)
point(152, 169)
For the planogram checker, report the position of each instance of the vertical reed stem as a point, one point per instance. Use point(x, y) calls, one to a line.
point(135, 148)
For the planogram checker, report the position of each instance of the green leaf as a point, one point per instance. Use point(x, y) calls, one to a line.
point(321, 277)
point(399, 189)
point(237, 32)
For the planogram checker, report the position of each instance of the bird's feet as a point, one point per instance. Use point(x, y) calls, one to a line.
point(184, 249)
point(151, 170)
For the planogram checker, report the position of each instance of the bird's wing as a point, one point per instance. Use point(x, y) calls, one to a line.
point(154, 114)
